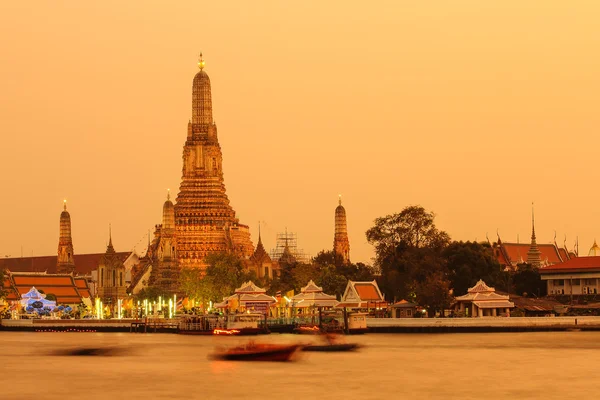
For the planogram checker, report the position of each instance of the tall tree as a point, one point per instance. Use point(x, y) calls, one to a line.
point(225, 273)
point(469, 262)
point(433, 292)
point(408, 247)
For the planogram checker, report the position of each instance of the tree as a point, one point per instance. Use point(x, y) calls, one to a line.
point(331, 281)
point(408, 248)
point(527, 281)
point(225, 274)
point(468, 262)
point(195, 285)
point(151, 293)
point(433, 293)
point(303, 273)
point(3, 291)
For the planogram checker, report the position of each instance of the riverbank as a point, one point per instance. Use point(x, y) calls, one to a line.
point(375, 325)
point(483, 324)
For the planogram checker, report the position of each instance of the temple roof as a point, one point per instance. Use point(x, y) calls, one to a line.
point(574, 264)
point(64, 287)
point(362, 292)
point(249, 288)
point(84, 263)
point(311, 287)
point(594, 250)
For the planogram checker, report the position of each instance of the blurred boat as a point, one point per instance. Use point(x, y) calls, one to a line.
point(332, 347)
point(257, 352)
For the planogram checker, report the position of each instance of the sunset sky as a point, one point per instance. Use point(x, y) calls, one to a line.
point(472, 109)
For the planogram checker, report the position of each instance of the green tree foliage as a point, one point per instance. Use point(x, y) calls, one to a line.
point(408, 248)
point(434, 292)
point(303, 273)
point(152, 293)
point(3, 292)
point(332, 281)
point(225, 273)
point(195, 285)
point(470, 261)
point(527, 281)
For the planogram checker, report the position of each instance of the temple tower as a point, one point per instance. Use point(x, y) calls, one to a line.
point(534, 255)
point(111, 275)
point(165, 270)
point(65, 263)
point(341, 244)
point(204, 220)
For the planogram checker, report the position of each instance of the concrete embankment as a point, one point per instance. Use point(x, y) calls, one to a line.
point(81, 325)
point(484, 324)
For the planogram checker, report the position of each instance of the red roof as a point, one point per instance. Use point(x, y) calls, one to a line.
point(577, 263)
point(84, 263)
point(62, 286)
point(367, 292)
point(517, 252)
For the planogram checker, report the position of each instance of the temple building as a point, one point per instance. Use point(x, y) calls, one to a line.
point(510, 255)
point(483, 301)
point(201, 221)
point(261, 263)
point(574, 277)
point(111, 276)
point(82, 266)
point(205, 221)
point(65, 263)
point(341, 244)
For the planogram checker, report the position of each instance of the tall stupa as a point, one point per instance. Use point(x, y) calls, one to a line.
point(65, 262)
point(341, 243)
point(205, 222)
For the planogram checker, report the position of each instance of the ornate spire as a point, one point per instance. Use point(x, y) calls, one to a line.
point(110, 248)
point(341, 243)
point(201, 62)
point(534, 254)
point(65, 261)
point(168, 194)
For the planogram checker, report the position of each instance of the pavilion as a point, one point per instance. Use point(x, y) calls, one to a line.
point(362, 295)
point(312, 295)
point(248, 297)
point(483, 301)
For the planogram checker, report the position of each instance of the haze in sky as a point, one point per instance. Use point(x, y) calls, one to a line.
point(472, 109)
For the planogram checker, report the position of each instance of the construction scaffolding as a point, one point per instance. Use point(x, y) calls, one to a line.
point(288, 240)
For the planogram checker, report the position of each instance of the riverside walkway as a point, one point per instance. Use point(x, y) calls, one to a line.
point(483, 324)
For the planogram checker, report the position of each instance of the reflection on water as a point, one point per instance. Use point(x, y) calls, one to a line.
point(165, 366)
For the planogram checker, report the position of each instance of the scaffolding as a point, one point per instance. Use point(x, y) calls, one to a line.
point(289, 240)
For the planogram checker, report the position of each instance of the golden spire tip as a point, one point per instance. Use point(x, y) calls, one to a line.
point(201, 62)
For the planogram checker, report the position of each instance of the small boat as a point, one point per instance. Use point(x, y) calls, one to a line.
point(257, 352)
point(332, 347)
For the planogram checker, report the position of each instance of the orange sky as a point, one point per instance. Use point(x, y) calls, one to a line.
point(473, 109)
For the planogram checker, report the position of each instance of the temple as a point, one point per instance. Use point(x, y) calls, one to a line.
point(111, 276)
point(201, 221)
point(341, 244)
point(204, 220)
point(65, 263)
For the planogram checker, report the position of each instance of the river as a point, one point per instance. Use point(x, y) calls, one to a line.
point(533, 365)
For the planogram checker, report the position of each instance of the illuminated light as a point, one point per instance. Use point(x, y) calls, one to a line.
point(286, 299)
point(174, 304)
point(170, 308)
point(309, 328)
point(225, 332)
point(159, 303)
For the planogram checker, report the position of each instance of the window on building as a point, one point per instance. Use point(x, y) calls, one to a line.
point(120, 279)
point(266, 271)
point(101, 277)
point(409, 313)
point(576, 282)
point(559, 282)
point(114, 279)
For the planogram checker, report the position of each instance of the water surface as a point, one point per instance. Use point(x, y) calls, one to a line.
point(531, 365)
